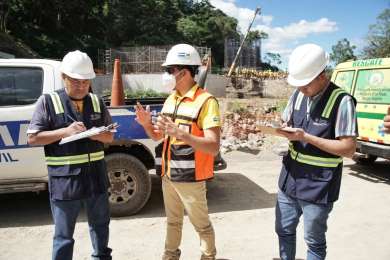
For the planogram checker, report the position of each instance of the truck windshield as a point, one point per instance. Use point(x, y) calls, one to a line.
point(20, 85)
point(373, 86)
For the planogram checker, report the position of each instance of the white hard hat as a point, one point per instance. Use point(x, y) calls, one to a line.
point(77, 65)
point(182, 54)
point(306, 63)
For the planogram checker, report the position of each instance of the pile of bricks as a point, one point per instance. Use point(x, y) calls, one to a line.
point(241, 130)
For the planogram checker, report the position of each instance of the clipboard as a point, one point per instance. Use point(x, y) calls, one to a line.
point(271, 130)
point(89, 132)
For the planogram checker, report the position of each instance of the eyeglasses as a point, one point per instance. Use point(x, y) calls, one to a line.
point(78, 81)
point(170, 70)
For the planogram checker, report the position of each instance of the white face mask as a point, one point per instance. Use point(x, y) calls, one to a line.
point(168, 82)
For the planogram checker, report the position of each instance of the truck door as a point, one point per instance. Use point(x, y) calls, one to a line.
point(20, 87)
point(372, 92)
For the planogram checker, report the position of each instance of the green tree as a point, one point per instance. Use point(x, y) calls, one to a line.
point(342, 51)
point(52, 28)
point(379, 37)
point(274, 58)
point(4, 11)
point(207, 26)
point(256, 35)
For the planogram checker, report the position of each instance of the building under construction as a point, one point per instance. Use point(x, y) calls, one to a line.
point(143, 59)
point(250, 56)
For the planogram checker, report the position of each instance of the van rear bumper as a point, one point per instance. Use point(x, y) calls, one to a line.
point(379, 150)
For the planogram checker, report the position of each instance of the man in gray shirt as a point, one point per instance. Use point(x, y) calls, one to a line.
point(324, 119)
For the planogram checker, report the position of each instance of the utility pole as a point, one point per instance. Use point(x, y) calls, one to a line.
point(242, 43)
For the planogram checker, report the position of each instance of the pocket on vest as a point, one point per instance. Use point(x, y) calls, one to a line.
point(321, 175)
point(64, 171)
point(182, 152)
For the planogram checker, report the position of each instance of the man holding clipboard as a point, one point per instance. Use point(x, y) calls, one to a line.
point(77, 170)
point(324, 119)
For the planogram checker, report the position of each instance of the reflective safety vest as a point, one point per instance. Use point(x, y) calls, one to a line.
point(58, 160)
point(309, 173)
point(78, 159)
point(178, 160)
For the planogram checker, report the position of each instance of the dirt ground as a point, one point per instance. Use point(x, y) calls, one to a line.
point(241, 202)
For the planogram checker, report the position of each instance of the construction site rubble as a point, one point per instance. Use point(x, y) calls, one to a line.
point(240, 129)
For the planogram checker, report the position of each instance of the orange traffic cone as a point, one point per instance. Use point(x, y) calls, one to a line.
point(117, 94)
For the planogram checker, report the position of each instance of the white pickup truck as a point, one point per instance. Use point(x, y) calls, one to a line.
point(23, 168)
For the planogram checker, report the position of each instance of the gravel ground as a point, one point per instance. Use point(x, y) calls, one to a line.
point(241, 202)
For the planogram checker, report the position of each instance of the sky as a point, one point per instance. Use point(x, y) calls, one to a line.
point(295, 22)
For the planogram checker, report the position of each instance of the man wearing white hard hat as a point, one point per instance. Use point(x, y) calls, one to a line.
point(324, 119)
point(189, 126)
point(77, 170)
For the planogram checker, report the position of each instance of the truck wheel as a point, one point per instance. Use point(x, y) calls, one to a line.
point(130, 184)
point(365, 159)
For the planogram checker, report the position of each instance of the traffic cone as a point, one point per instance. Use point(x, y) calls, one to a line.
point(117, 94)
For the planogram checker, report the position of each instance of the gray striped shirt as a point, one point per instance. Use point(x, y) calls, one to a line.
point(346, 115)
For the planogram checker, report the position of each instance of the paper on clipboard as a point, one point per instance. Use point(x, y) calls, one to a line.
point(88, 133)
point(273, 130)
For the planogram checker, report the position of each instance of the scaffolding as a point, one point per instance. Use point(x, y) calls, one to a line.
point(249, 57)
point(143, 59)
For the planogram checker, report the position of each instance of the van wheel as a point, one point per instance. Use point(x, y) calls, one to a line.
point(130, 184)
point(365, 159)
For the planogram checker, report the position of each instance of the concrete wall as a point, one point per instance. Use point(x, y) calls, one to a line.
point(215, 84)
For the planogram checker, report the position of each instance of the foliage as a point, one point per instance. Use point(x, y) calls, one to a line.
point(379, 37)
point(342, 51)
point(238, 107)
point(139, 93)
point(274, 58)
point(256, 35)
point(281, 105)
point(52, 28)
point(207, 26)
point(145, 93)
point(268, 66)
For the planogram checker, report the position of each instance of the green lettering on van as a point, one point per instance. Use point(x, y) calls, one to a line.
point(367, 63)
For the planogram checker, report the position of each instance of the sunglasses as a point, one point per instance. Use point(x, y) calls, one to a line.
point(171, 70)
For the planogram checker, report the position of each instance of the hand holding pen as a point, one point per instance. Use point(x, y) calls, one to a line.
point(74, 128)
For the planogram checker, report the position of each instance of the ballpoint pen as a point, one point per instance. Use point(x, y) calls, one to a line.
point(71, 118)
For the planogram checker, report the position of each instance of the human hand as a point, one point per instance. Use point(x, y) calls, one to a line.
point(297, 135)
point(75, 128)
point(143, 116)
point(166, 126)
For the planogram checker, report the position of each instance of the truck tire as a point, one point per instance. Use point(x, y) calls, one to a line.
point(365, 159)
point(130, 184)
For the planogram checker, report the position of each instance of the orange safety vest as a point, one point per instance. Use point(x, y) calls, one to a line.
point(179, 161)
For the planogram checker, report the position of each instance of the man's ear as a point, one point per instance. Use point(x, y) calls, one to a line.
point(183, 72)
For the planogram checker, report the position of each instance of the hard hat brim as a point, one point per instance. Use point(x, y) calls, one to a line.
point(165, 64)
point(91, 75)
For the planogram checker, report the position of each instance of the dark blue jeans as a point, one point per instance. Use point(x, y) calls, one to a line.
point(65, 214)
point(315, 216)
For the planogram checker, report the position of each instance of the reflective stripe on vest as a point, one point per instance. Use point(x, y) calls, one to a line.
point(298, 102)
point(55, 98)
point(74, 159)
point(59, 109)
point(95, 103)
point(314, 160)
point(186, 111)
point(331, 101)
